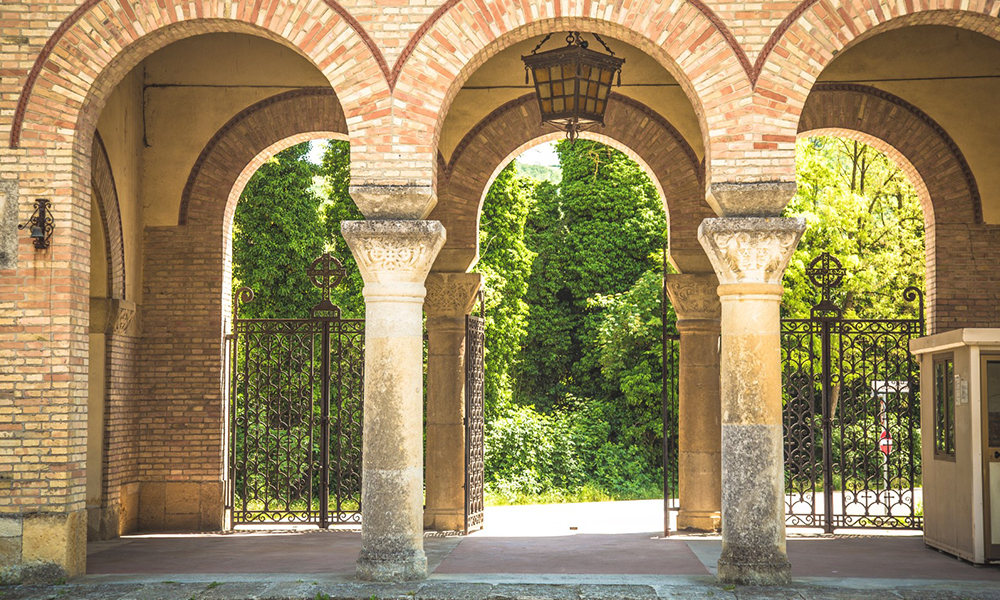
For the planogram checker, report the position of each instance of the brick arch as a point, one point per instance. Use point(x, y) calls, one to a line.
point(952, 194)
point(682, 38)
point(238, 149)
point(66, 88)
point(946, 186)
point(103, 184)
point(495, 140)
point(815, 32)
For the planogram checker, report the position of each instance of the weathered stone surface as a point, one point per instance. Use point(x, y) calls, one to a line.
point(511, 591)
point(752, 199)
point(696, 302)
point(450, 297)
point(750, 249)
point(617, 592)
point(8, 224)
point(394, 258)
point(749, 256)
point(394, 201)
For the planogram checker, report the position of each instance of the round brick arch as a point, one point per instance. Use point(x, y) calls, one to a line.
point(686, 38)
point(939, 167)
point(495, 140)
point(102, 40)
point(246, 141)
point(938, 170)
point(103, 184)
point(815, 32)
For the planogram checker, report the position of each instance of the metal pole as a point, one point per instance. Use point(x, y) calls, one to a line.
point(324, 444)
point(827, 432)
point(664, 398)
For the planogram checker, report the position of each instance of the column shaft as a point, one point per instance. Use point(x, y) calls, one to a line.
point(450, 297)
point(750, 256)
point(394, 258)
point(696, 303)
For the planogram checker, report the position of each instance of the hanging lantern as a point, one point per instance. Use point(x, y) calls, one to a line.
point(573, 83)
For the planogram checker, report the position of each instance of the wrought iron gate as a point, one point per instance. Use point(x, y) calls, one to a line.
point(295, 412)
point(851, 414)
point(669, 396)
point(475, 458)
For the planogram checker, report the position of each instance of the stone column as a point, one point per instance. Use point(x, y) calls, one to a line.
point(394, 258)
point(749, 255)
point(450, 297)
point(696, 301)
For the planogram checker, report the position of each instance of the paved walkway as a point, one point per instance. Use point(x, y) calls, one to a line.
point(557, 551)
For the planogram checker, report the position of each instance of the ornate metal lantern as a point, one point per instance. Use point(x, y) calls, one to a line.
point(573, 83)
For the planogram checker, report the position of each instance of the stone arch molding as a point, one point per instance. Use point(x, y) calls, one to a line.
point(103, 184)
point(493, 141)
point(816, 31)
point(236, 151)
point(680, 36)
point(949, 190)
point(66, 88)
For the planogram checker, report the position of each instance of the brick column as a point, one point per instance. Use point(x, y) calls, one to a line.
point(749, 255)
point(394, 258)
point(696, 301)
point(450, 297)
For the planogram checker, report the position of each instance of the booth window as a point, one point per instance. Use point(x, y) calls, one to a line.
point(944, 407)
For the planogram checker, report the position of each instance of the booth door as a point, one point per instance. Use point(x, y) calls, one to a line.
point(991, 461)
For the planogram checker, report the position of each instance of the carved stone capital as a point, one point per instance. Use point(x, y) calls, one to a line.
point(750, 250)
point(112, 315)
point(451, 294)
point(750, 199)
point(394, 201)
point(695, 297)
point(394, 257)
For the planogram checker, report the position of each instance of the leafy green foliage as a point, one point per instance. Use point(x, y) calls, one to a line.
point(337, 207)
point(277, 233)
point(504, 264)
point(859, 207)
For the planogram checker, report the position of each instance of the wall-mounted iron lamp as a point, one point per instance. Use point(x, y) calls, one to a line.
point(40, 224)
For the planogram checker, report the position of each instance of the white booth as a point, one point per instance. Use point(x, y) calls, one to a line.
point(960, 433)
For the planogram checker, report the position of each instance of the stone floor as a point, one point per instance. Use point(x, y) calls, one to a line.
point(558, 551)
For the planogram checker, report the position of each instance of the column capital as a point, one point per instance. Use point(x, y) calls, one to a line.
point(751, 252)
point(394, 257)
point(695, 297)
point(451, 294)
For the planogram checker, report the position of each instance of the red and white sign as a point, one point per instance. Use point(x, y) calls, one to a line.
point(885, 443)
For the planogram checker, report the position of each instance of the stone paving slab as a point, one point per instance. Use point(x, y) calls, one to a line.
point(682, 590)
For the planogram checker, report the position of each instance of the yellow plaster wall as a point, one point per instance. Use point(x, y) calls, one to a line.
point(121, 128)
point(951, 74)
point(643, 79)
point(191, 89)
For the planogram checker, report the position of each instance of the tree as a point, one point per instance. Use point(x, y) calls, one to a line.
point(860, 208)
point(277, 233)
point(337, 207)
point(504, 263)
point(596, 237)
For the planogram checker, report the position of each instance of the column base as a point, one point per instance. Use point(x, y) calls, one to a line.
point(690, 520)
point(755, 568)
point(42, 547)
point(444, 520)
point(403, 566)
